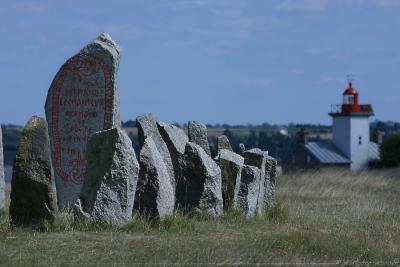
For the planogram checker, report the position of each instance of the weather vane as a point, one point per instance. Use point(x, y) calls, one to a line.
point(350, 78)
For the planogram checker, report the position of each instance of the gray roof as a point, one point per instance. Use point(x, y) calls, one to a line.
point(326, 153)
point(374, 151)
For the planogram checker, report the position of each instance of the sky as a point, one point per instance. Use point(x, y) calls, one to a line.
point(216, 61)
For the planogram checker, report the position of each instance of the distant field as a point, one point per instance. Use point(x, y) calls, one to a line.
point(215, 132)
point(321, 217)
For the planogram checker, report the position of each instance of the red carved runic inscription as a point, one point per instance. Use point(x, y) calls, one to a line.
point(82, 103)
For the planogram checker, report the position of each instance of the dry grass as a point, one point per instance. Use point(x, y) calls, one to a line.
point(322, 217)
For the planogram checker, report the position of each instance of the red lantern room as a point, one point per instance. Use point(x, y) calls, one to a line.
point(350, 100)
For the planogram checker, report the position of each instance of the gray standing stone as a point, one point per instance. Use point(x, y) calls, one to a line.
point(242, 148)
point(32, 194)
point(223, 143)
point(147, 127)
point(198, 134)
point(201, 182)
point(154, 194)
point(247, 191)
point(256, 157)
point(112, 171)
point(270, 181)
point(176, 140)
point(231, 167)
point(2, 181)
point(83, 98)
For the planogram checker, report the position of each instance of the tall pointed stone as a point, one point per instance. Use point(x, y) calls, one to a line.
point(198, 134)
point(83, 98)
point(176, 140)
point(2, 182)
point(154, 195)
point(111, 177)
point(32, 194)
point(147, 127)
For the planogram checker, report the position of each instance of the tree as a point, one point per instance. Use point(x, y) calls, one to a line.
point(390, 151)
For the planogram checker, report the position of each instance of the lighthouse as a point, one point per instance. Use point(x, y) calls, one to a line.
point(351, 133)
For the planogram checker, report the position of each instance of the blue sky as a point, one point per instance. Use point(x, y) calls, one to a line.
point(217, 61)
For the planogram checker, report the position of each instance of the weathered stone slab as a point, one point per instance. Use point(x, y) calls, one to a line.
point(231, 168)
point(32, 194)
point(2, 181)
point(242, 148)
point(201, 183)
point(223, 143)
point(83, 98)
point(147, 127)
point(175, 139)
point(198, 134)
point(270, 182)
point(256, 157)
point(154, 195)
point(112, 172)
point(247, 191)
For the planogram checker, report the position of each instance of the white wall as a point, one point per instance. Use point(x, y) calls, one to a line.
point(346, 133)
point(341, 134)
point(359, 152)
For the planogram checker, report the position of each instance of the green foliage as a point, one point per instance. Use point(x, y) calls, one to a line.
point(390, 151)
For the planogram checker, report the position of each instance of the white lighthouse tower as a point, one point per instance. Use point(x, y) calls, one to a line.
point(351, 132)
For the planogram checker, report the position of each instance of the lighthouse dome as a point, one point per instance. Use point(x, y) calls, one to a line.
point(350, 90)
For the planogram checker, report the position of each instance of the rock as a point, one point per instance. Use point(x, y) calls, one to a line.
point(111, 177)
point(269, 183)
point(201, 183)
point(33, 199)
point(231, 168)
point(198, 134)
point(242, 148)
point(256, 157)
point(83, 98)
point(223, 143)
point(2, 181)
point(175, 139)
point(247, 191)
point(147, 127)
point(154, 195)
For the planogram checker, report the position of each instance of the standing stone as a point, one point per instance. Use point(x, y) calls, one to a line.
point(231, 167)
point(242, 148)
point(256, 157)
point(32, 194)
point(198, 134)
point(175, 139)
point(112, 171)
point(2, 181)
point(83, 98)
point(201, 182)
point(247, 191)
point(223, 143)
point(147, 127)
point(270, 181)
point(154, 194)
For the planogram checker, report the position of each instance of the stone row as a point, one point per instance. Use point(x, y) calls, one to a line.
point(83, 151)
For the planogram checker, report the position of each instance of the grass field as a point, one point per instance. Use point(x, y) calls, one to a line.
point(321, 217)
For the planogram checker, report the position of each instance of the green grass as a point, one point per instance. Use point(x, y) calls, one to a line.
point(321, 217)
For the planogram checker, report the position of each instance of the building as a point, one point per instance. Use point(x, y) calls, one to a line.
point(350, 146)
